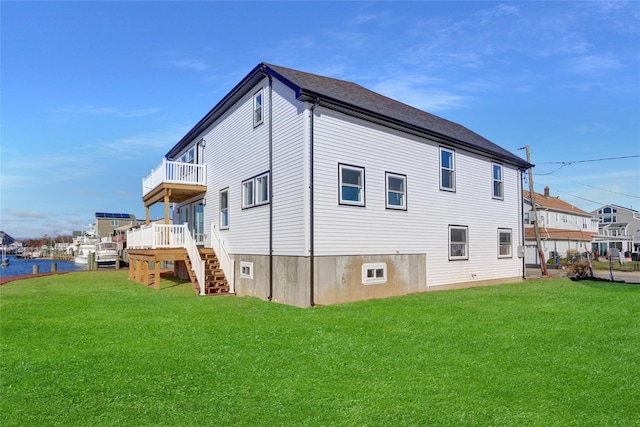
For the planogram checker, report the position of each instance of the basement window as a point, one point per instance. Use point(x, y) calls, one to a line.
point(246, 270)
point(374, 273)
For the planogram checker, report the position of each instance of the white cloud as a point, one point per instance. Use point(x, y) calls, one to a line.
point(412, 91)
point(593, 64)
point(24, 214)
point(90, 110)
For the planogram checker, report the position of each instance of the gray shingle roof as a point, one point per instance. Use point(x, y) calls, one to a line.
point(309, 86)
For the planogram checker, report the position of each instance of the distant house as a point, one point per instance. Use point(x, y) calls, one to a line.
point(108, 223)
point(618, 228)
point(308, 190)
point(562, 227)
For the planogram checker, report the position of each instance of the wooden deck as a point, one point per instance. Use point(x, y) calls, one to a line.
point(145, 268)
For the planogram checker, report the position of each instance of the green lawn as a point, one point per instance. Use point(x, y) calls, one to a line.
point(95, 349)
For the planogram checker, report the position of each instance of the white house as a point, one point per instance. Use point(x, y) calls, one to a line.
point(313, 190)
point(562, 226)
point(618, 228)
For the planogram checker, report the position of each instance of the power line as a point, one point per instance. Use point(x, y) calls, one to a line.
point(586, 161)
point(598, 188)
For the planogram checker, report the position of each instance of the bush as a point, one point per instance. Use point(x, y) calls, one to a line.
point(579, 270)
point(551, 261)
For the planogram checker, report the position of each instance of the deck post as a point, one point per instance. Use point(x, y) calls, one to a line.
point(148, 215)
point(166, 208)
point(132, 268)
point(156, 275)
point(139, 271)
point(145, 272)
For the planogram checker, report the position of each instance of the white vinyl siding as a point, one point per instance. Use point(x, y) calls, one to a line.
point(423, 228)
point(233, 136)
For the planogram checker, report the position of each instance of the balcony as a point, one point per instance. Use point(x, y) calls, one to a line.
point(174, 182)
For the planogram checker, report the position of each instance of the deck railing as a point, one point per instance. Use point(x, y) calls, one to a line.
point(175, 173)
point(157, 236)
point(226, 263)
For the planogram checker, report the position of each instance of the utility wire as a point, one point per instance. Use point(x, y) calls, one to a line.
point(586, 161)
point(601, 189)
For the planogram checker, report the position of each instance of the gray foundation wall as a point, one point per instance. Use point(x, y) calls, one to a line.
point(338, 278)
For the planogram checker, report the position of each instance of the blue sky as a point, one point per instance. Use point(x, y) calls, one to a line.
point(93, 94)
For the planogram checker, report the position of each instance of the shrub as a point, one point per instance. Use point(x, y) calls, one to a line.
point(579, 270)
point(551, 261)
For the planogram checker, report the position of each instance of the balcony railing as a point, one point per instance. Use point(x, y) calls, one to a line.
point(174, 173)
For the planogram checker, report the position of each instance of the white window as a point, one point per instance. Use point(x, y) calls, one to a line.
point(351, 189)
point(396, 191)
point(458, 242)
point(115, 223)
point(247, 194)
point(498, 184)
point(504, 243)
point(257, 108)
point(224, 209)
point(246, 270)
point(447, 170)
point(255, 191)
point(374, 273)
point(262, 189)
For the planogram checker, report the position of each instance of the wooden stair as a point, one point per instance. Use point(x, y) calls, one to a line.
point(215, 280)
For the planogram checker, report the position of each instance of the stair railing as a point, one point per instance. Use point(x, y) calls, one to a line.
point(226, 263)
point(197, 263)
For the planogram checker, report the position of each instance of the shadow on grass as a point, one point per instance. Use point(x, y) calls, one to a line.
point(606, 284)
point(172, 282)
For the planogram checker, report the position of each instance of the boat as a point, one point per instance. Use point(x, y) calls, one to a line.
point(85, 244)
point(106, 254)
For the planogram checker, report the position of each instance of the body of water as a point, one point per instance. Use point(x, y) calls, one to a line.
point(20, 266)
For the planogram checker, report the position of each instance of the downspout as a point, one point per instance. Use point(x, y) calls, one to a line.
point(270, 295)
point(311, 209)
point(522, 236)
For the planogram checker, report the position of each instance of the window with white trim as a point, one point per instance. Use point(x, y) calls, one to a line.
point(246, 270)
point(504, 243)
point(257, 108)
point(115, 222)
point(374, 273)
point(447, 169)
point(458, 242)
point(396, 191)
point(351, 179)
point(498, 181)
point(224, 209)
point(262, 189)
point(255, 191)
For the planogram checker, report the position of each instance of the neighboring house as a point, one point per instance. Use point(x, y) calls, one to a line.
point(618, 228)
point(108, 223)
point(562, 227)
point(312, 190)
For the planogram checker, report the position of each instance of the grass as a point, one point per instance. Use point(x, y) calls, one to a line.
point(627, 266)
point(95, 349)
